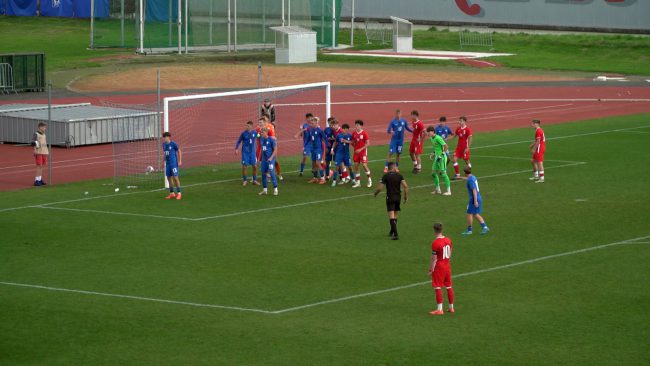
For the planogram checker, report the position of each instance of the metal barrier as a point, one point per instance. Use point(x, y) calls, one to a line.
point(7, 79)
point(28, 70)
point(479, 37)
point(379, 32)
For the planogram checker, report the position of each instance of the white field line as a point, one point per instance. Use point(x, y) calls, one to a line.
point(140, 298)
point(560, 137)
point(230, 180)
point(526, 100)
point(634, 131)
point(119, 213)
point(638, 240)
point(465, 274)
point(522, 158)
point(240, 213)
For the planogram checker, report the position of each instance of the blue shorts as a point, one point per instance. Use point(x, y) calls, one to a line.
point(316, 155)
point(474, 210)
point(267, 166)
point(248, 159)
point(306, 150)
point(342, 159)
point(171, 170)
point(396, 147)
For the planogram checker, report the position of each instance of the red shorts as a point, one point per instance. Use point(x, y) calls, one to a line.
point(361, 158)
point(460, 154)
point(415, 147)
point(538, 156)
point(441, 277)
point(41, 159)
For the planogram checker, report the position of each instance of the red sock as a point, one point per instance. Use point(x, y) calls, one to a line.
point(456, 168)
point(450, 295)
point(345, 174)
point(438, 296)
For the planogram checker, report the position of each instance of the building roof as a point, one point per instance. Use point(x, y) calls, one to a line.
point(69, 112)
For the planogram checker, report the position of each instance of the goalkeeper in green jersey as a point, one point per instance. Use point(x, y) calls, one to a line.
point(440, 149)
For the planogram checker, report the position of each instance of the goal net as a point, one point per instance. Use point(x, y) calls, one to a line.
point(206, 126)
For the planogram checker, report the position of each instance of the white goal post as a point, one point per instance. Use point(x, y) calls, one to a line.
point(206, 126)
point(326, 85)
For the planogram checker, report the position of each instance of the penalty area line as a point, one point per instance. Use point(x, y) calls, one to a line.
point(465, 274)
point(639, 240)
point(131, 297)
point(300, 204)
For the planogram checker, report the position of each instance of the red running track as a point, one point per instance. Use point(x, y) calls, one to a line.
point(487, 108)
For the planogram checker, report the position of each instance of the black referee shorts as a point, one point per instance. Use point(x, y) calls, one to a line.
point(392, 203)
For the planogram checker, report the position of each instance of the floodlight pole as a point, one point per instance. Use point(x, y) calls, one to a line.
point(179, 26)
point(289, 13)
point(186, 23)
point(92, 23)
point(141, 26)
point(229, 21)
point(169, 22)
point(121, 22)
point(352, 26)
point(211, 22)
point(333, 24)
point(283, 13)
point(235, 12)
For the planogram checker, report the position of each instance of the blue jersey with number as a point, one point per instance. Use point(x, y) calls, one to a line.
point(443, 131)
point(343, 148)
point(472, 184)
point(397, 127)
point(171, 154)
point(268, 146)
point(247, 140)
point(330, 135)
point(317, 138)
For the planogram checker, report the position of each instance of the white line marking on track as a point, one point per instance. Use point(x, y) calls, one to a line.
point(527, 100)
point(639, 240)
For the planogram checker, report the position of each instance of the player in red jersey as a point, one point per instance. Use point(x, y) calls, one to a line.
point(360, 142)
point(538, 148)
point(464, 134)
point(415, 148)
point(440, 269)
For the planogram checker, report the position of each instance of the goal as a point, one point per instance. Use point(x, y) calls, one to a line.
point(207, 126)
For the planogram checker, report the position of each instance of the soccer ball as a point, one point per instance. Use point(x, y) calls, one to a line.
point(149, 170)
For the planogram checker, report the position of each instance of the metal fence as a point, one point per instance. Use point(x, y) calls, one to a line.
point(28, 70)
point(7, 79)
point(480, 37)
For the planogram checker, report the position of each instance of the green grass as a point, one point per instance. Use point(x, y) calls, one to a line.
point(625, 54)
point(582, 309)
point(65, 42)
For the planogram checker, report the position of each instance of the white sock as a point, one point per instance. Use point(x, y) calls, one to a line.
point(469, 165)
point(451, 306)
point(440, 307)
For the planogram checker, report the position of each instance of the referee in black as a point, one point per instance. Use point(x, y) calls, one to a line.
point(394, 182)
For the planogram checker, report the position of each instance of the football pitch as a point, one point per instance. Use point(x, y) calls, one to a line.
point(311, 278)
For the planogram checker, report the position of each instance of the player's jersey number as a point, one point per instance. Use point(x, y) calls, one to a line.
point(446, 252)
